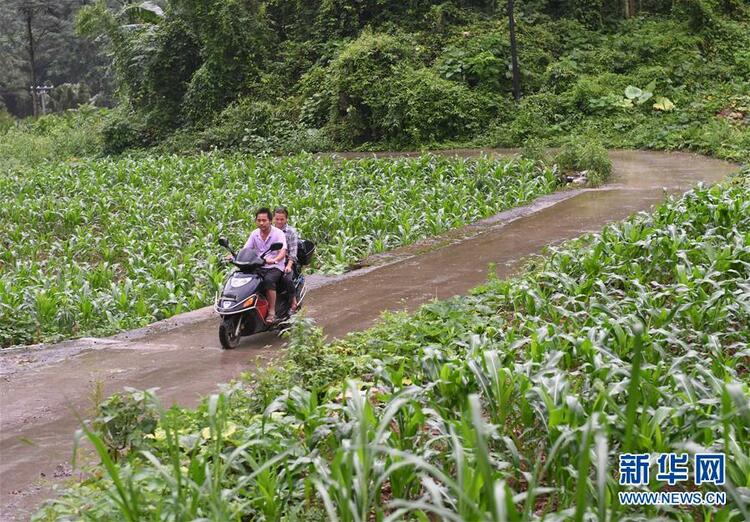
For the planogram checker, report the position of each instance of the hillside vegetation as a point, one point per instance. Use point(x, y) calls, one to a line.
point(283, 76)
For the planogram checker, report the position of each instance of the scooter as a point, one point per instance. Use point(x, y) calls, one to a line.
point(241, 303)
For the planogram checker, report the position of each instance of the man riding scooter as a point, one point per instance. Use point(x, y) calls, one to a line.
point(260, 240)
point(247, 300)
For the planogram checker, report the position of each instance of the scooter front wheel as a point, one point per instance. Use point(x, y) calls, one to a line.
point(229, 336)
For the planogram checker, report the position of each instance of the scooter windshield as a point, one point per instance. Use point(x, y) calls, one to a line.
point(247, 258)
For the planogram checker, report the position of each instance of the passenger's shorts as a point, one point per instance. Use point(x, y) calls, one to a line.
point(271, 277)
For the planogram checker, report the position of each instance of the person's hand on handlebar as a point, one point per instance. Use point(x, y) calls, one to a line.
point(279, 257)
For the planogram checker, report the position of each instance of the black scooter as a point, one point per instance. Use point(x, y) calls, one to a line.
point(242, 304)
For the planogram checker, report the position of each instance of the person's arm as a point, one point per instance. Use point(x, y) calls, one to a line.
point(281, 256)
point(282, 253)
point(293, 245)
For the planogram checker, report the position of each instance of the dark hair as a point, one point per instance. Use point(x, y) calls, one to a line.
point(264, 210)
point(281, 210)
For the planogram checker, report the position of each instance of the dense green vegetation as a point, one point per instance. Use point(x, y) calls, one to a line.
point(49, 139)
point(92, 247)
point(283, 76)
point(508, 404)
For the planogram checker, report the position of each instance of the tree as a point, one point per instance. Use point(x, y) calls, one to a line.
point(630, 8)
point(40, 19)
point(38, 45)
point(514, 52)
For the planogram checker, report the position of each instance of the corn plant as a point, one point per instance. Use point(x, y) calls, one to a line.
point(97, 246)
point(511, 403)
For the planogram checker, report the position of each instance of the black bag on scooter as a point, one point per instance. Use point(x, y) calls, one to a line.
point(305, 251)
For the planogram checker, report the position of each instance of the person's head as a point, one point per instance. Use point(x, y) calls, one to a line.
point(280, 217)
point(263, 219)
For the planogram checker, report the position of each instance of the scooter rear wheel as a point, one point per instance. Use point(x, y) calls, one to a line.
point(227, 337)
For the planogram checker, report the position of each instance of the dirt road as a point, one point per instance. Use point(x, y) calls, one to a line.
point(41, 389)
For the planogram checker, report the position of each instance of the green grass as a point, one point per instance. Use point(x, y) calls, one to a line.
point(49, 139)
point(93, 247)
point(511, 403)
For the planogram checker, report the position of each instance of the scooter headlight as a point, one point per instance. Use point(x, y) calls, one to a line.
point(237, 282)
point(227, 304)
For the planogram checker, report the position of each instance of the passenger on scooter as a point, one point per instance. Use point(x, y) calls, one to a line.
point(260, 240)
point(280, 217)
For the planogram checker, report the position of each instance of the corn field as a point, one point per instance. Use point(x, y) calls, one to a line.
point(95, 247)
point(511, 403)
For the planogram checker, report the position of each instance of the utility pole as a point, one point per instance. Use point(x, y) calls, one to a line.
point(28, 12)
point(514, 52)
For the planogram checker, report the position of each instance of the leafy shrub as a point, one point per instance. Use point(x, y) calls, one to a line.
point(206, 94)
point(256, 126)
point(6, 120)
point(374, 91)
point(561, 75)
point(588, 12)
point(700, 13)
point(537, 116)
point(123, 130)
point(583, 94)
point(423, 108)
point(586, 153)
point(168, 74)
point(124, 421)
point(441, 17)
point(54, 137)
point(479, 59)
point(534, 149)
point(69, 96)
point(356, 87)
point(244, 124)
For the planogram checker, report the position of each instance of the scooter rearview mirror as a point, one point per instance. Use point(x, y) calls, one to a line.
point(275, 247)
point(223, 242)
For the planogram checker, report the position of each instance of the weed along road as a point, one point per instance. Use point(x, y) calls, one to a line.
point(44, 391)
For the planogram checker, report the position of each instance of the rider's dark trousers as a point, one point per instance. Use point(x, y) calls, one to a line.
point(286, 280)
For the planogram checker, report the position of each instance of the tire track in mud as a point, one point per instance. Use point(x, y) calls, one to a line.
point(43, 390)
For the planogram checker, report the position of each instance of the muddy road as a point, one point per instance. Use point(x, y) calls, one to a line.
point(43, 391)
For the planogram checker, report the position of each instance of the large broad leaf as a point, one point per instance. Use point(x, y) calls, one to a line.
point(644, 97)
point(632, 92)
point(663, 104)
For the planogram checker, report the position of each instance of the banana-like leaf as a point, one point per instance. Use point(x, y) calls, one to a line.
point(663, 104)
point(145, 12)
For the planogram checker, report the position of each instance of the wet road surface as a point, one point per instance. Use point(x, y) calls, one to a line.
point(44, 391)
